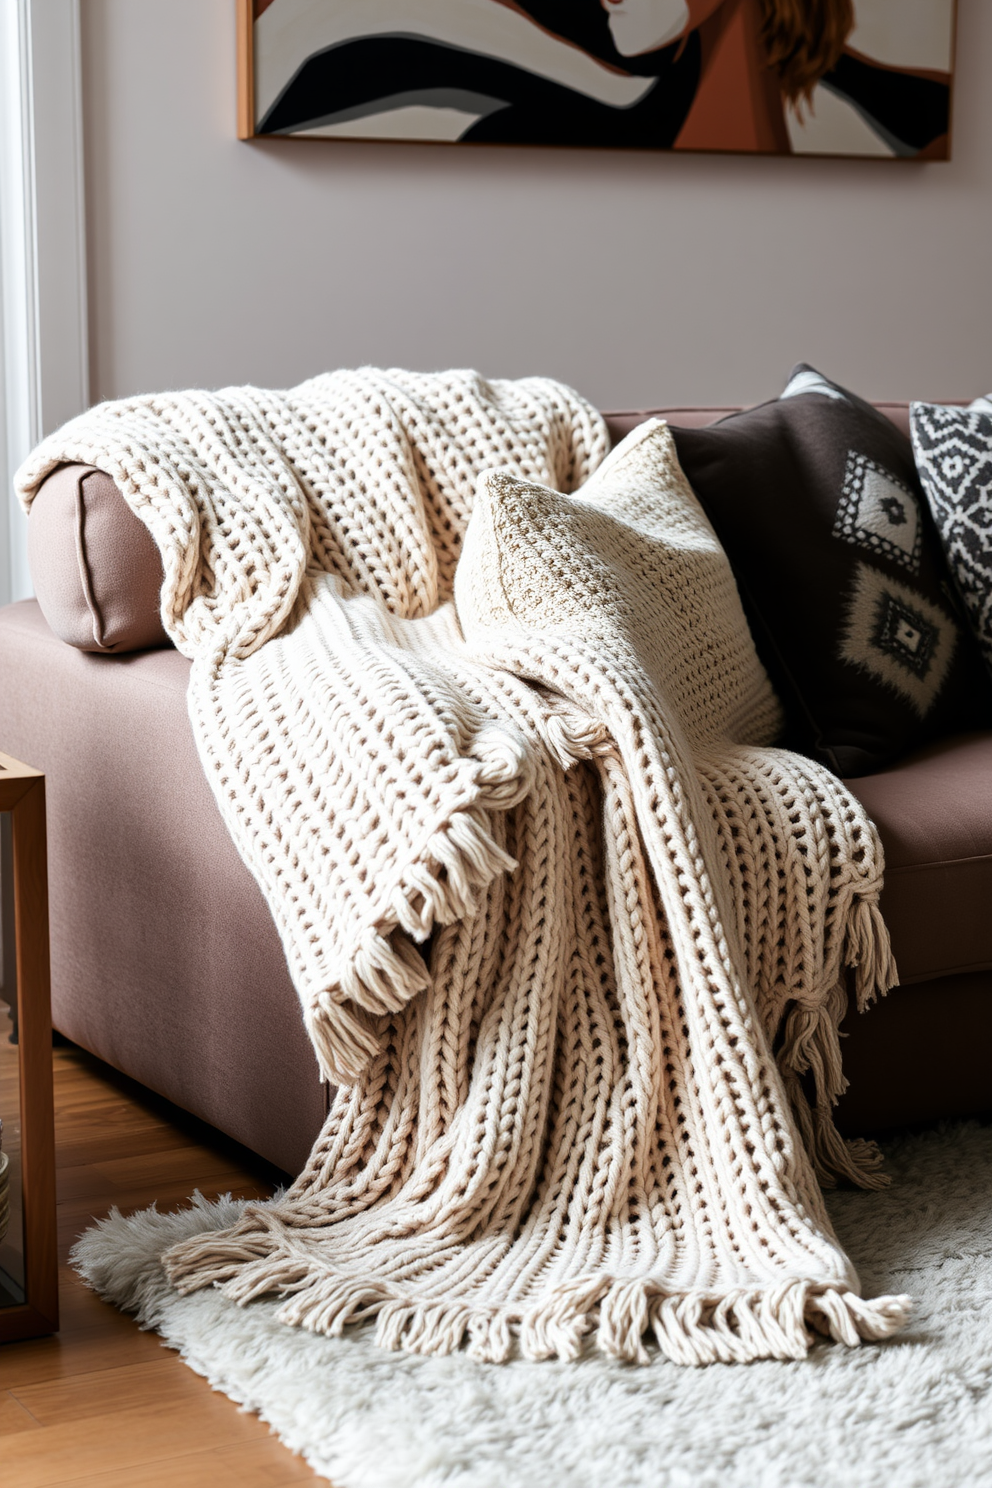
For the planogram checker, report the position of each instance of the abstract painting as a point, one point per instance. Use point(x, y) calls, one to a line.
point(784, 77)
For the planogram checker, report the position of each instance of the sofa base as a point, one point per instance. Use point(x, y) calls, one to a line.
point(165, 960)
point(920, 1055)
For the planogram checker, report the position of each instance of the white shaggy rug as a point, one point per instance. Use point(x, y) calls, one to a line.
point(913, 1413)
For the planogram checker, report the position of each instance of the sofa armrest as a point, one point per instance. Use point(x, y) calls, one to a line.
point(96, 570)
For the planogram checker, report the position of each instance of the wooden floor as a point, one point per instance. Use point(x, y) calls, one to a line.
point(103, 1403)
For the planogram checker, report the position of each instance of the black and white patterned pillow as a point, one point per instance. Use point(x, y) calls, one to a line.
point(953, 450)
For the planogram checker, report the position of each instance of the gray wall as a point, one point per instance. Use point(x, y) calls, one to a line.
point(638, 278)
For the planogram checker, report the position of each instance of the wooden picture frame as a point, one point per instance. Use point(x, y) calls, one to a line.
point(246, 69)
point(627, 74)
point(22, 795)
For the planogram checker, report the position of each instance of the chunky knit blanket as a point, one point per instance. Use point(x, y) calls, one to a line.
point(482, 713)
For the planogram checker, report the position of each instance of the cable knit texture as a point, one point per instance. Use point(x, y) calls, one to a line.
point(571, 936)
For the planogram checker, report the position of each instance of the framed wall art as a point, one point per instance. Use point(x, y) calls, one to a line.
point(783, 77)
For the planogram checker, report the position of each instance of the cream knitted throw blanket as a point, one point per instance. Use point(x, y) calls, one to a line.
point(573, 940)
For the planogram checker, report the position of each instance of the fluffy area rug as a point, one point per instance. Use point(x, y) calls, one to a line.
point(913, 1412)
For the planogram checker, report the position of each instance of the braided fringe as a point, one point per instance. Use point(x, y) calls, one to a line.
point(868, 952)
point(621, 1318)
point(385, 970)
point(811, 1046)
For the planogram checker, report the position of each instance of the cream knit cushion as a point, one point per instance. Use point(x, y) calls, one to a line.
point(570, 1120)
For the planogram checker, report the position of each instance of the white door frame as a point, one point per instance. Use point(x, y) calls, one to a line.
point(44, 370)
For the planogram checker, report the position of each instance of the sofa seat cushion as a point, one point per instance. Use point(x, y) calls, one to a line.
point(934, 813)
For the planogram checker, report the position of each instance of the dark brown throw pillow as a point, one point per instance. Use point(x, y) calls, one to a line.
point(816, 499)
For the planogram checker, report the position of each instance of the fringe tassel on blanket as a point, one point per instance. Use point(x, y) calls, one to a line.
point(384, 971)
point(810, 1046)
point(619, 1317)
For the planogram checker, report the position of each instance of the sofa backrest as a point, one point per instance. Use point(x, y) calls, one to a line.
point(97, 572)
point(620, 424)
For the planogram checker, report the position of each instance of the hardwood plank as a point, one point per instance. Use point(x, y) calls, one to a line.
point(117, 1409)
point(195, 1470)
point(79, 1207)
point(85, 1311)
point(125, 1439)
point(154, 1175)
point(257, 1464)
point(173, 1165)
point(130, 1387)
point(70, 1353)
point(15, 1417)
point(95, 1141)
point(265, 1462)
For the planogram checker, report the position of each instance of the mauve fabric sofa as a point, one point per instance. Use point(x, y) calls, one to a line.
point(165, 961)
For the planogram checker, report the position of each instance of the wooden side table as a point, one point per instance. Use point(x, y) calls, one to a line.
point(32, 1298)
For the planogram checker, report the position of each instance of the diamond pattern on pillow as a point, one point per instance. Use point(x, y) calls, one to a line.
point(953, 449)
point(896, 634)
point(878, 512)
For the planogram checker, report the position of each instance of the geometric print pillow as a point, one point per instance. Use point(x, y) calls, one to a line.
point(953, 448)
point(817, 502)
